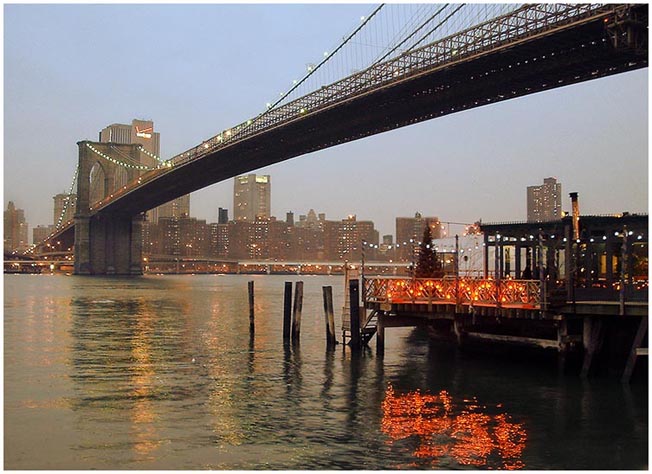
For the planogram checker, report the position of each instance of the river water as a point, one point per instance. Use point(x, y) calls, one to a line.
point(160, 372)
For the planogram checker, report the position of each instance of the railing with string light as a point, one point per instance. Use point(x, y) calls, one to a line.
point(524, 294)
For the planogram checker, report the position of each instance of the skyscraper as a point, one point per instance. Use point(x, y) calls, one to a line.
point(412, 228)
point(64, 201)
point(222, 216)
point(15, 229)
point(142, 132)
point(251, 197)
point(544, 202)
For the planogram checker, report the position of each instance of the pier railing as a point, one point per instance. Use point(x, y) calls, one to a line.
point(449, 290)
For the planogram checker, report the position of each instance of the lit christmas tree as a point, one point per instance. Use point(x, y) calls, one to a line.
point(428, 265)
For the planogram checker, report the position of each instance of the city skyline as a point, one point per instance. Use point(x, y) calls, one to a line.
point(591, 136)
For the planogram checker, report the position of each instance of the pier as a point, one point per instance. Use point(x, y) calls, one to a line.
point(590, 300)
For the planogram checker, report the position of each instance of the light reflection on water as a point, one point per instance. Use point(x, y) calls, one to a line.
point(460, 431)
point(161, 373)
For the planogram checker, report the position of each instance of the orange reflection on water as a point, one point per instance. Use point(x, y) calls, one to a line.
point(470, 437)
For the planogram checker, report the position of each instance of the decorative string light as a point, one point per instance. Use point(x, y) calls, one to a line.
point(113, 160)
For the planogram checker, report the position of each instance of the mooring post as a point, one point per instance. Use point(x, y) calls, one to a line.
point(636, 344)
point(328, 315)
point(296, 311)
point(287, 311)
point(380, 334)
point(251, 306)
point(592, 337)
point(354, 293)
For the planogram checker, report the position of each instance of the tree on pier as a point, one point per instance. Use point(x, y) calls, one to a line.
point(428, 265)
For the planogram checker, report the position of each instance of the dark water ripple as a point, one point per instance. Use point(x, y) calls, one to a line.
point(161, 373)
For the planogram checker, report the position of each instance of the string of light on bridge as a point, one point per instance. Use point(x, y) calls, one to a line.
point(117, 162)
point(163, 162)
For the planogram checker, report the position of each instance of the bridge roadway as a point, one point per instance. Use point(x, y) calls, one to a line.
point(521, 60)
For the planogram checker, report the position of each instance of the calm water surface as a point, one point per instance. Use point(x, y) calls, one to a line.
point(160, 373)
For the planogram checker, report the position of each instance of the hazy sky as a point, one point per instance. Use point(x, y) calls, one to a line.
point(71, 70)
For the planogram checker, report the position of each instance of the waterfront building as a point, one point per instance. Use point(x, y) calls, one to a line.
point(544, 201)
point(67, 202)
point(219, 240)
point(409, 231)
point(142, 132)
point(307, 243)
point(40, 233)
point(343, 239)
point(609, 250)
point(251, 197)
point(280, 240)
point(15, 229)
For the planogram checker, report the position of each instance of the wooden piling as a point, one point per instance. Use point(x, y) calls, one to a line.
point(328, 315)
point(380, 334)
point(296, 311)
point(251, 306)
point(287, 311)
point(354, 293)
point(636, 344)
point(593, 335)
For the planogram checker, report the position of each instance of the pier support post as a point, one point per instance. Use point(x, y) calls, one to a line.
point(458, 328)
point(250, 286)
point(296, 312)
point(354, 294)
point(328, 315)
point(631, 360)
point(380, 334)
point(562, 342)
point(592, 338)
point(287, 311)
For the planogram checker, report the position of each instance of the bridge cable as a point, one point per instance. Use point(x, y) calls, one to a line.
point(118, 162)
point(330, 55)
point(65, 207)
point(437, 27)
point(378, 61)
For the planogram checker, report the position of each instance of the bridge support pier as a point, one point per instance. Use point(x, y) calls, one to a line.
point(108, 245)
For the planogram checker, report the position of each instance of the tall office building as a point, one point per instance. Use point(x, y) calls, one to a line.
point(142, 132)
point(544, 202)
point(222, 216)
point(41, 232)
point(412, 228)
point(64, 201)
point(15, 229)
point(251, 197)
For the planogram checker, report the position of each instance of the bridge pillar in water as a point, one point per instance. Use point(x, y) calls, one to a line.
point(106, 243)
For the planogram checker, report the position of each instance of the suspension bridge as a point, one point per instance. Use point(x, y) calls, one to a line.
point(444, 60)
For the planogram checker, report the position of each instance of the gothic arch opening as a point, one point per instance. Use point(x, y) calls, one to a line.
point(98, 184)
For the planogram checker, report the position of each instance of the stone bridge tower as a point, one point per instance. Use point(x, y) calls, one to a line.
point(106, 243)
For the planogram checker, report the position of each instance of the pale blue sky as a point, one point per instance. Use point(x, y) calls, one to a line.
point(70, 70)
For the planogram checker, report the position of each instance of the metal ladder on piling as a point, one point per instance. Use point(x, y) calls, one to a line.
point(367, 330)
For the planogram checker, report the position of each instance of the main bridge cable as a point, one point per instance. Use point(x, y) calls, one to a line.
point(313, 70)
point(161, 162)
point(127, 158)
point(197, 152)
point(65, 207)
point(117, 162)
point(63, 213)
